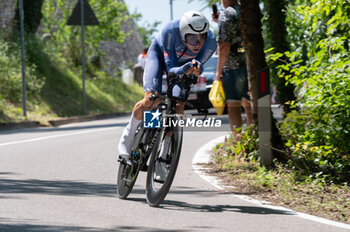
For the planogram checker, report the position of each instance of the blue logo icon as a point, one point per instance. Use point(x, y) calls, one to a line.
point(151, 119)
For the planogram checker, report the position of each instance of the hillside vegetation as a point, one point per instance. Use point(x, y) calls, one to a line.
point(54, 86)
point(53, 64)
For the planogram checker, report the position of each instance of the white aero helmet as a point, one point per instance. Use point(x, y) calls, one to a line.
point(193, 22)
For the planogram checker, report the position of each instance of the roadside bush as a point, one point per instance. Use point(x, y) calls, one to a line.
point(317, 132)
point(110, 13)
point(11, 74)
point(245, 149)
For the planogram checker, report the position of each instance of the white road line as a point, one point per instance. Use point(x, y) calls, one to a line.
point(202, 156)
point(54, 136)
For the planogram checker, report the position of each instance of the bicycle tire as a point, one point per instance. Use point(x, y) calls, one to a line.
point(125, 187)
point(156, 197)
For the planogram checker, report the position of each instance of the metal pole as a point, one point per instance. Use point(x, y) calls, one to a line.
point(21, 16)
point(171, 9)
point(83, 53)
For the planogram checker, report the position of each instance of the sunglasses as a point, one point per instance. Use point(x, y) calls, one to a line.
point(194, 39)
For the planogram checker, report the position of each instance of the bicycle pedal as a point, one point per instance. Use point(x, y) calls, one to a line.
point(124, 161)
point(121, 160)
point(158, 181)
point(167, 161)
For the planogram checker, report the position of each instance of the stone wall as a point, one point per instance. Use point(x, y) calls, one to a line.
point(120, 56)
point(7, 13)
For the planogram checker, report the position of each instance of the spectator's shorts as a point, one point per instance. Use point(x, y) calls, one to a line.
point(235, 84)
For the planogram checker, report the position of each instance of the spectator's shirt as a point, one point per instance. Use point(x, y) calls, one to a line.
point(176, 56)
point(229, 31)
point(141, 60)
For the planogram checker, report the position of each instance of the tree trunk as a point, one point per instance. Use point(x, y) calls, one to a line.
point(32, 15)
point(254, 45)
point(278, 35)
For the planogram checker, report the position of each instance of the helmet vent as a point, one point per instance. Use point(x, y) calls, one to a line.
point(200, 30)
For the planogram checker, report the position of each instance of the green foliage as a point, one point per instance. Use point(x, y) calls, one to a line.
point(318, 130)
point(310, 21)
point(11, 74)
point(275, 33)
point(265, 178)
point(284, 186)
point(245, 149)
point(54, 87)
point(110, 13)
point(53, 83)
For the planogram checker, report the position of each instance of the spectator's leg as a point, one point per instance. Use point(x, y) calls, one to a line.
point(234, 116)
point(248, 110)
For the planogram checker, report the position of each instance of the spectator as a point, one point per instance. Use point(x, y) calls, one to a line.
point(141, 59)
point(231, 67)
point(140, 66)
point(274, 95)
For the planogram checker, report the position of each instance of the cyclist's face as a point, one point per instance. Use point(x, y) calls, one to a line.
point(195, 42)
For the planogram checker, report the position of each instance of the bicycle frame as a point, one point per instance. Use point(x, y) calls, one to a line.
point(146, 148)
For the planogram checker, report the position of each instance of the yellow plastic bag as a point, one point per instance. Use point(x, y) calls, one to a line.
point(217, 97)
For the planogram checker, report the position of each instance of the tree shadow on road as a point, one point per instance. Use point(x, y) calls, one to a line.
point(180, 206)
point(184, 206)
point(56, 187)
point(25, 227)
point(79, 188)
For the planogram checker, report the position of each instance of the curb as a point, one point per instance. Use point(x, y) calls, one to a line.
point(19, 125)
point(203, 155)
point(58, 122)
point(85, 118)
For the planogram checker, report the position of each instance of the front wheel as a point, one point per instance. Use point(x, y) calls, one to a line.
point(156, 191)
point(125, 180)
point(129, 169)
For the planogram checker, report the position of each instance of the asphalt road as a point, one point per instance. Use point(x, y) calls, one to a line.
point(63, 179)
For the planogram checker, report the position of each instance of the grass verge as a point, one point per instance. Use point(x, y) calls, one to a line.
point(281, 186)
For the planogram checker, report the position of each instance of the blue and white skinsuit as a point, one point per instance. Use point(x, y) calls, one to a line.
point(167, 53)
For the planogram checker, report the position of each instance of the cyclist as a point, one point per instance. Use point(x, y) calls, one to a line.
point(176, 48)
